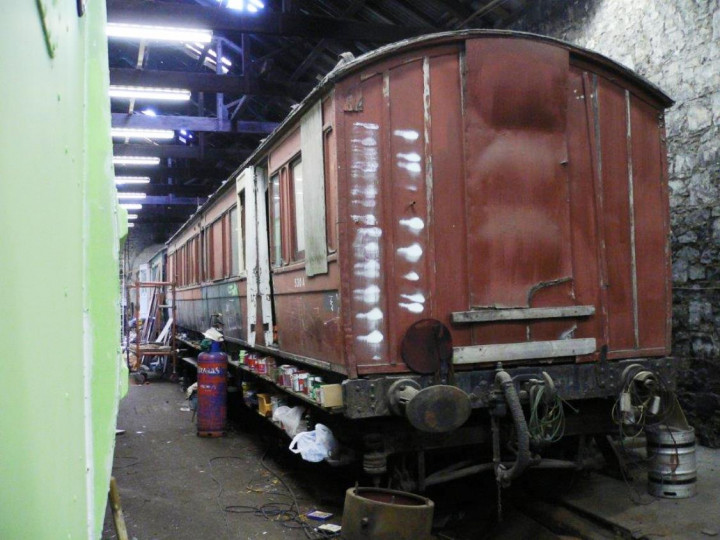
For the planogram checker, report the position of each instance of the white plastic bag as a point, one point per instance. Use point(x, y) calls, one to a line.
point(314, 445)
point(289, 418)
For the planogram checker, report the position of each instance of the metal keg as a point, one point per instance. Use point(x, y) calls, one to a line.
point(385, 514)
point(672, 466)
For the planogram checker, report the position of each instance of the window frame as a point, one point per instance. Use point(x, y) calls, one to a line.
point(287, 215)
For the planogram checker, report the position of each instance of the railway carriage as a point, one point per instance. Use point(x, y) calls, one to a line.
point(441, 225)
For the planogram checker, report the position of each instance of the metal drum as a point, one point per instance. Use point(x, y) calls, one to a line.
point(212, 394)
point(385, 514)
point(672, 471)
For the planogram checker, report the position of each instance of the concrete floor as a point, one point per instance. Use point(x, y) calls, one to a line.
point(175, 485)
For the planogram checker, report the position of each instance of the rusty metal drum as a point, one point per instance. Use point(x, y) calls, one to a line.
point(212, 394)
point(385, 514)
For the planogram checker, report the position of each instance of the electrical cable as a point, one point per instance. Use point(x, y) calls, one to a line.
point(547, 416)
point(287, 514)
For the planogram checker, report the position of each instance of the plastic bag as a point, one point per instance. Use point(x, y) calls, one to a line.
point(289, 418)
point(314, 445)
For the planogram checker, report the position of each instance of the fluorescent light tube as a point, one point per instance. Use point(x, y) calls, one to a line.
point(131, 206)
point(158, 33)
point(131, 225)
point(148, 92)
point(132, 216)
point(136, 160)
point(129, 133)
point(130, 195)
point(120, 180)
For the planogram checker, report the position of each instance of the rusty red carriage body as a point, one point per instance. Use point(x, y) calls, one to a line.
point(511, 187)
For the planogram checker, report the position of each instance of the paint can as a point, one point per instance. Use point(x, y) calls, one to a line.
point(315, 385)
point(261, 366)
point(302, 382)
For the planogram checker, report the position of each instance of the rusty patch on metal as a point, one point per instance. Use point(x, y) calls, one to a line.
point(426, 346)
point(354, 100)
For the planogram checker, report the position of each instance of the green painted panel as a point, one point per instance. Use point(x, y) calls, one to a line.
point(59, 291)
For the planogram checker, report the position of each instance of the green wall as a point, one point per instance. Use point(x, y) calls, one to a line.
point(59, 294)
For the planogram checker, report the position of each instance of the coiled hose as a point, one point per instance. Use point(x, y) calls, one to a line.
point(503, 474)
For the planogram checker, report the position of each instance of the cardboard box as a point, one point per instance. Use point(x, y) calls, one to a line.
point(265, 404)
point(331, 395)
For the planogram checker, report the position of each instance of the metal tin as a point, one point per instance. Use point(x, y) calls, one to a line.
point(386, 514)
point(315, 385)
point(212, 394)
point(302, 382)
point(261, 366)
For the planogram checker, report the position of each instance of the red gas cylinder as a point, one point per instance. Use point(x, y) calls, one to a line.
point(212, 394)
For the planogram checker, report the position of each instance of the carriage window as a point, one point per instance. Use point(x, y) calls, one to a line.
point(235, 258)
point(276, 232)
point(297, 180)
point(216, 250)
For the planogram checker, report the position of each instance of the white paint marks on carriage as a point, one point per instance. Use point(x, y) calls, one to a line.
point(369, 295)
point(412, 308)
point(411, 157)
point(364, 192)
point(368, 269)
point(412, 276)
point(372, 250)
point(413, 168)
point(410, 161)
point(374, 338)
point(415, 224)
point(367, 219)
point(375, 314)
point(407, 134)
point(417, 297)
point(411, 253)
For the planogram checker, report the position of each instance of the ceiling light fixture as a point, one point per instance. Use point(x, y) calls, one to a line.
point(245, 5)
point(128, 133)
point(136, 160)
point(149, 93)
point(131, 225)
point(121, 180)
point(158, 33)
point(131, 195)
point(132, 216)
point(131, 206)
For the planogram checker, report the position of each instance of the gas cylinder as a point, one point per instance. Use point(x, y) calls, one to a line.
point(212, 394)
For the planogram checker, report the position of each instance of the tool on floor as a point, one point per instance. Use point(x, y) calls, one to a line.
point(118, 517)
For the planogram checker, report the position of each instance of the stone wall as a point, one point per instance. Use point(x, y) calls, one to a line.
point(676, 45)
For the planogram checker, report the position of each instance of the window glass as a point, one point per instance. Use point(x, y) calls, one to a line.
point(233, 248)
point(276, 232)
point(299, 207)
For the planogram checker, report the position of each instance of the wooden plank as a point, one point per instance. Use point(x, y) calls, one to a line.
point(246, 181)
point(118, 517)
point(263, 253)
point(520, 314)
point(479, 354)
point(313, 164)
